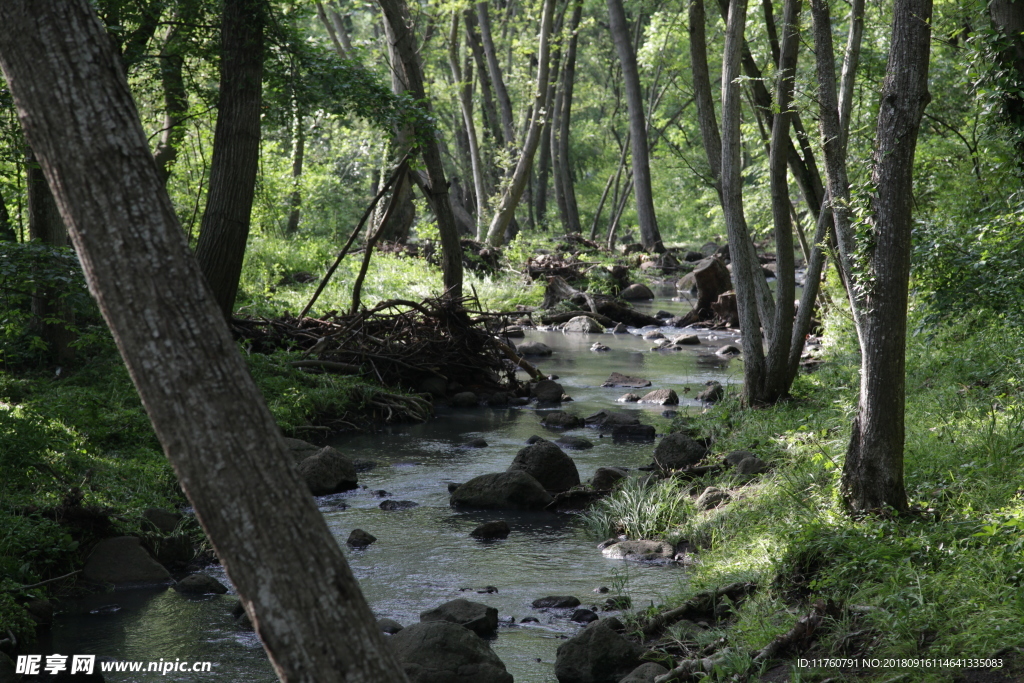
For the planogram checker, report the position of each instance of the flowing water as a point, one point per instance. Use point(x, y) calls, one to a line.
point(424, 556)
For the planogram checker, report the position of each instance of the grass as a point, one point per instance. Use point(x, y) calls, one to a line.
point(945, 582)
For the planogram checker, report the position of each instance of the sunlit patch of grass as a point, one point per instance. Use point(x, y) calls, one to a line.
point(945, 581)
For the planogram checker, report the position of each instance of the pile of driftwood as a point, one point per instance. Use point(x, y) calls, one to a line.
point(433, 346)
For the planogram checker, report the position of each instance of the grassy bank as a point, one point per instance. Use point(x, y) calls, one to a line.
point(942, 582)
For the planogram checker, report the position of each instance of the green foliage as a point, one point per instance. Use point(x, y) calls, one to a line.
point(25, 270)
point(639, 510)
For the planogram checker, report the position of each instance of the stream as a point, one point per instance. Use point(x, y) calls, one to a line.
point(424, 556)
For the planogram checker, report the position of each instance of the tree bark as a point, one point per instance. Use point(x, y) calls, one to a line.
point(396, 17)
point(511, 196)
point(231, 461)
point(873, 471)
point(778, 373)
point(172, 64)
point(563, 179)
point(465, 90)
point(236, 147)
point(740, 247)
point(494, 70)
point(489, 113)
point(649, 234)
point(298, 157)
point(7, 233)
point(46, 225)
point(702, 93)
point(1008, 18)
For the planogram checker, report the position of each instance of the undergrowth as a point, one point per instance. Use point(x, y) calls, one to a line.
point(945, 581)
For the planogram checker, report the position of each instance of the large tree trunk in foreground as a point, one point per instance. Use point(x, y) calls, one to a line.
point(649, 234)
point(1008, 18)
point(873, 471)
point(79, 117)
point(435, 188)
point(236, 149)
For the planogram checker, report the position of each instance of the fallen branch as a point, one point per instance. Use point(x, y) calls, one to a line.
point(802, 632)
point(332, 366)
point(41, 583)
point(700, 605)
point(520, 361)
point(694, 669)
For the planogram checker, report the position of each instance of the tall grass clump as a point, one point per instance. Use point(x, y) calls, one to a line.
point(641, 510)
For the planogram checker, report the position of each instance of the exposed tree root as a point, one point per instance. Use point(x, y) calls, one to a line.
point(700, 605)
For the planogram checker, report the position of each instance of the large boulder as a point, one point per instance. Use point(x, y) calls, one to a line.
point(548, 464)
point(712, 394)
point(299, 450)
point(442, 652)
point(200, 584)
point(477, 617)
point(122, 560)
point(583, 324)
point(559, 419)
point(606, 478)
point(533, 349)
point(515, 490)
point(608, 421)
point(678, 451)
point(711, 279)
point(599, 654)
point(328, 472)
point(548, 391)
point(636, 292)
point(662, 397)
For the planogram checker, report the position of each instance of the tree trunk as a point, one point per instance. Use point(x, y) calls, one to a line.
point(510, 199)
point(552, 129)
point(873, 471)
point(494, 70)
point(46, 226)
point(1008, 18)
point(702, 93)
point(298, 156)
point(563, 178)
point(492, 123)
point(465, 90)
point(740, 247)
point(172, 64)
point(649, 234)
point(778, 374)
point(230, 458)
point(7, 233)
point(236, 147)
point(396, 18)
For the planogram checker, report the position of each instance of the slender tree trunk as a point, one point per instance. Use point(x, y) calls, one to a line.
point(465, 90)
point(52, 317)
point(510, 198)
point(230, 458)
point(546, 159)
point(873, 470)
point(552, 130)
point(7, 233)
point(236, 146)
point(298, 157)
point(396, 17)
point(732, 204)
point(778, 374)
point(494, 70)
point(702, 93)
point(491, 120)
point(172, 64)
point(564, 178)
point(649, 234)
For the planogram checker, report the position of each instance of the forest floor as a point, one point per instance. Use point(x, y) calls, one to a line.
point(943, 583)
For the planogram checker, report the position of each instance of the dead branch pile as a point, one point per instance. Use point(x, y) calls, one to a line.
point(398, 343)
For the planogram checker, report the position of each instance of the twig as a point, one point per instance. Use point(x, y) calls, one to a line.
point(520, 361)
point(333, 366)
point(41, 583)
point(357, 286)
point(341, 254)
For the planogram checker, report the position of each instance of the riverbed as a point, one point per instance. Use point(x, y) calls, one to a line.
point(424, 555)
